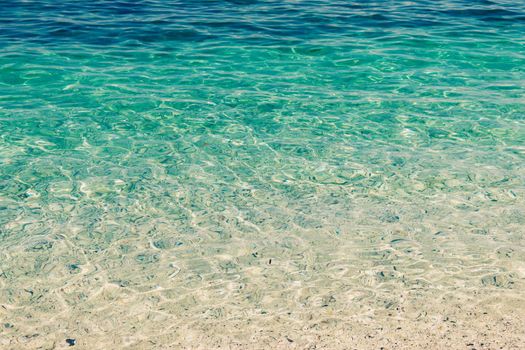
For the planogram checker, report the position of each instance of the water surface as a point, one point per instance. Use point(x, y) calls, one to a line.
point(247, 174)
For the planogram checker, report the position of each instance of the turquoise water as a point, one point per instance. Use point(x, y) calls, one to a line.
point(161, 159)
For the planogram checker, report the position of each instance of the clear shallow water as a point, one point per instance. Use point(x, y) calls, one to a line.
point(185, 174)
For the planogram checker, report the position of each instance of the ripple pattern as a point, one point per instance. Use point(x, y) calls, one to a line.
point(253, 174)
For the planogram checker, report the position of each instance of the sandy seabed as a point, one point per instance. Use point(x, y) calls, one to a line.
point(296, 292)
point(445, 273)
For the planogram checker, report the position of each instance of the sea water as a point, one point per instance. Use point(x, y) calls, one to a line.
point(254, 174)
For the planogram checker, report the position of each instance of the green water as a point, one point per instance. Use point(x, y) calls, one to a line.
point(176, 159)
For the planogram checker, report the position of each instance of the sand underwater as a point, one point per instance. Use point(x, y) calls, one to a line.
point(262, 174)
